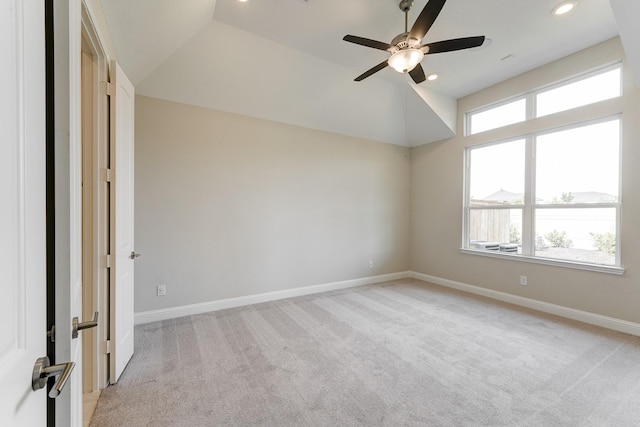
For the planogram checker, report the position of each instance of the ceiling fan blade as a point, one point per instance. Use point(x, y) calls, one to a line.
point(454, 44)
point(426, 19)
point(373, 70)
point(417, 74)
point(366, 42)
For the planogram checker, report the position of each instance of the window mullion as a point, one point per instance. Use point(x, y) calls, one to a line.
point(528, 239)
point(531, 106)
point(467, 200)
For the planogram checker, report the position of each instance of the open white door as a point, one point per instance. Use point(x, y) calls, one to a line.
point(22, 211)
point(122, 249)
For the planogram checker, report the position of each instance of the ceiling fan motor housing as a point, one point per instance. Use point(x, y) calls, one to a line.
point(399, 42)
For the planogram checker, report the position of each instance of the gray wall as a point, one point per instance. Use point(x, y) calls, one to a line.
point(228, 205)
point(437, 195)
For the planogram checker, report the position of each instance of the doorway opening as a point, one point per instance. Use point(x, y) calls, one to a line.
point(95, 214)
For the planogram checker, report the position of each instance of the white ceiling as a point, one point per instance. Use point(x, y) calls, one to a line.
point(523, 28)
point(150, 34)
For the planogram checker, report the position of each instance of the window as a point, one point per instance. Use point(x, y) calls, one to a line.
point(576, 193)
point(496, 197)
point(570, 209)
point(498, 116)
point(552, 194)
point(602, 84)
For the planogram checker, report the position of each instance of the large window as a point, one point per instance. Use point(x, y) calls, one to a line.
point(551, 194)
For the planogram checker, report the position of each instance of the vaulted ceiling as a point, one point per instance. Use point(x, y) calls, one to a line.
point(285, 60)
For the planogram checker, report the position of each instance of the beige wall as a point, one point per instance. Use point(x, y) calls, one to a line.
point(228, 205)
point(437, 196)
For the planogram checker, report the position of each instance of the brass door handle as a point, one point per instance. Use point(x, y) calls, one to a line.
point(77, 326)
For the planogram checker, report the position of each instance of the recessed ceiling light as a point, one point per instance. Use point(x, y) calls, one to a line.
point(565, 7)
point(243, 1)
point(432, 77)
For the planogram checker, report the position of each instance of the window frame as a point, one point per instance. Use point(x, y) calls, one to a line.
point(468, 117)
point(574, 79)
point(468, 207)
point(531, 109)
point(529, 207)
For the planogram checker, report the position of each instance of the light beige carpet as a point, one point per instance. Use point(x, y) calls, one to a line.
point(399, 353)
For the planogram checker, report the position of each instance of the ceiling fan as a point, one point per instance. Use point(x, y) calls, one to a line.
point(406, 49)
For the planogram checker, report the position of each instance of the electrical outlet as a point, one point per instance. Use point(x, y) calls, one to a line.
point(370, 264)
point(161, 290)
point(523, 280)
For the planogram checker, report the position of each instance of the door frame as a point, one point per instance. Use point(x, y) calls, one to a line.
point(96, 375)
point(67, 197)
point(71, 22)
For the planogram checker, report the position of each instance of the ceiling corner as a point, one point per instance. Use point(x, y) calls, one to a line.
point(146, 32)
point(626, 14)
point(431, 116)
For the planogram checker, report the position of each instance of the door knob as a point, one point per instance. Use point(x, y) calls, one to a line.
point(77, 326)
point(134, 255)
point(42, 370)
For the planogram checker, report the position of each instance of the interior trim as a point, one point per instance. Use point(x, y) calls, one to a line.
point(559, 310)
point(205, 307)
point(545, 307)
point(556, 262)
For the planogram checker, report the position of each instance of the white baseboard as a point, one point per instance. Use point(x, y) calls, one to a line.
point(559, 310)
point(205, 307)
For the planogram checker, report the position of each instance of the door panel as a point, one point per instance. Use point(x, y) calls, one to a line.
point(22, 211)
point(122, 198)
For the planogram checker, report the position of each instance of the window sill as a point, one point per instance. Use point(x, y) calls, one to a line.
point(609, 269)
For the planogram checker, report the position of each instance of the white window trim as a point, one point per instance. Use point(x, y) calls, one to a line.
point(574, 79)
point(469, 114)
point(530, 96)
point(609, 269)
point(529, 206)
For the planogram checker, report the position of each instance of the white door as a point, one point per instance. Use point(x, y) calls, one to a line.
point(22, 211)
point(122, 165)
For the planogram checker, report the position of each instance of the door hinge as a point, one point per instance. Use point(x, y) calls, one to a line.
point(52, 333)
point(107, 261)
point(106, 88)
point(106, 347)
point(108, 175)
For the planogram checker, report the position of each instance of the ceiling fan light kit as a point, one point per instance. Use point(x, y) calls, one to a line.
point(405, 49)
point(405, 60)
